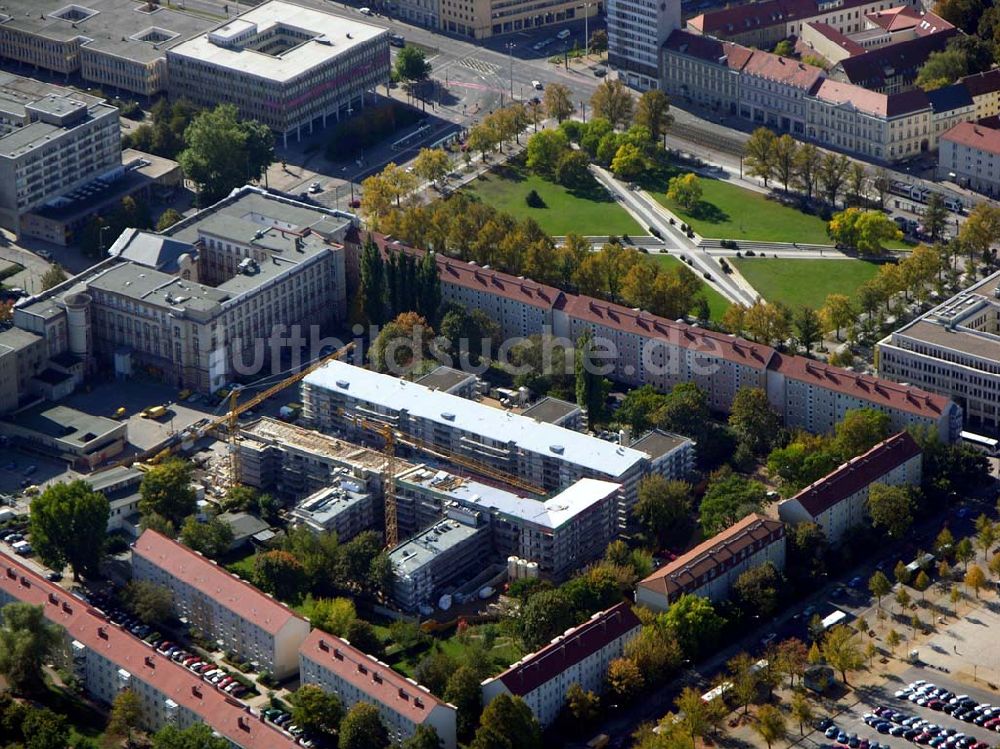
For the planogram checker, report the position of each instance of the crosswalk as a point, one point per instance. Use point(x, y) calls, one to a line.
point(480, 66)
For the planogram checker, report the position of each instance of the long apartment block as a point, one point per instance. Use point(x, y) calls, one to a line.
point(550, 457)
point(336, 666)
point(652, 350)
point(107, 660)
point(221, 606)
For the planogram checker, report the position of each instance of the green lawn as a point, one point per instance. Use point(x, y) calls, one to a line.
point(717, 304)
point(727, 211)
point(804, 282)
point(502, 654)
point(589, 212)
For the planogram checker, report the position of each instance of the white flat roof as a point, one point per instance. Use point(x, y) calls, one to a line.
point(550, 513)
point(476, 418)
point(332, 36)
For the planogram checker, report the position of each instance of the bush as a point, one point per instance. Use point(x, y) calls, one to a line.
point(116, 543)
point(266, 678)
point(534, 200)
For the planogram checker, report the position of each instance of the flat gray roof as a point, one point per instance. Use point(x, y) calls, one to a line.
point(444, 378)
point(658, 443)
point(550, 410)
point(422, 548)
point(114, 28)
point(65, 423)
point(970, 342)
point(331, 36)
point(14, 339)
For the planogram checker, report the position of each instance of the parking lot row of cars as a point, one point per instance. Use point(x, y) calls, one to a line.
point(961, 706)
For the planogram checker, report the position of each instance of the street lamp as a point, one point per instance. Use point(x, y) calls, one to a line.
point(510, 58)
point(586, 28)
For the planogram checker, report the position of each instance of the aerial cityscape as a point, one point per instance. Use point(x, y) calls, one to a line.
point(498, 374)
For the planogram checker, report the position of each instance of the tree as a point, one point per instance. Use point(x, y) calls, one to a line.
point(842, 650)
point(837, 312)
point(891, 508)
point(152, 604)
point(879, 586)
point(168, 218)
point(507, 723)
point(663, 505)
point(54, 276)
point(941, 69)
point(693, 623)
point(572, 170)
point(280, 574)
point(625, 680)
point(432, 164)
point(785, 153)
point(964, 14)
point(166, 491)
point(590, 386)
point(903, 599)
point(198, 736)
point(583, 706)
point(126, 715)
point(69, 525)
point(975, 578)
point(692, 714)
point(802, 711)
point(546, 614)
point(613, 101)
point(363, 636)
point(770, 725)
point(331, 615)
point(758, 154)
point(792, 657)
point(727, 500)
point(544, 150)
point(362, 728)
point(808, 329)
point(860, 430)
point(558, 101)
point(965, 552)
point(316, 711)
point(768, 322)
point(44, 729)
point(628, 162)
point(401, 345)
point(935, 214)
point(756, 590)
point(807, 164)
point(922, 583)
point(27, 641)
point(411, 64)
point(685, 190)
point(224, 152)
point(598, 41)
point(463, 690)
point(744, 678)
point(653, 112)
point(756, 425)
point(831, 175)
point(211, 538)
point(980, 229)
point(425, 737)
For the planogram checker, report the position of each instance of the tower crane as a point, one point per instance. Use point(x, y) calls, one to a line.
point(392, 437)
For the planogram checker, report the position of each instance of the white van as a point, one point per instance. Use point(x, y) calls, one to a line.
point(564, 34)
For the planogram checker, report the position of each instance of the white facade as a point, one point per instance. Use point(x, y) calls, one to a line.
point(223, 608)
point(334, 665)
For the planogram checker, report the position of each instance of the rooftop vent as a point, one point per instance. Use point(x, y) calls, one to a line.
point(73, 13)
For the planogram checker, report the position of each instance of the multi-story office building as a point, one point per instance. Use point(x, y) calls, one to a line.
point(107, 660)
point(52, 140)
point(954, 350)
point(548, 456)
point(651, 350)
point(560, 534)
point(211, 298)
point(222, 607)
point(334, 665)
point(439, 559)
point(22, 357)
point(290, 67)
point(838, 502)
point(580, 656)
point(711, 568)
point(637, 29)
point(115, 44)
point(969, 154)
point(343, 508)
point(481, 19)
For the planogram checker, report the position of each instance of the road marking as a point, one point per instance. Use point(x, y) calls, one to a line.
point(474, 63)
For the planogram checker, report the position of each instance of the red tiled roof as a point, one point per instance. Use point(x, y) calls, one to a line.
point(743, 18)
point(871, 102)
point(213, 581)
point(686, 336)
point(866, 387)
point(895, 19)
point(684, 572)
point(905, 58)
point(222, 713)
point(932, 23)
point(857, 473)
point(979, 84)
point(480, 278)
point(708, 48)
point(974, 136)
point(374, 679)
point(783, 69)
point(567, 650)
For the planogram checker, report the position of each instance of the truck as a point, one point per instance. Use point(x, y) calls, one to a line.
point(290, 412)
point(154, 412)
